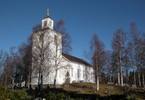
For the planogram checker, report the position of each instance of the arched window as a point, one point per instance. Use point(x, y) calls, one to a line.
point(78, 73)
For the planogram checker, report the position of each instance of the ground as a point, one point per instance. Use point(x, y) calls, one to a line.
point(76, 91)
point(105, 90)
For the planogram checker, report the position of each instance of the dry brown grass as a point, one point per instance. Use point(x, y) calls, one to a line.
point(90, 88)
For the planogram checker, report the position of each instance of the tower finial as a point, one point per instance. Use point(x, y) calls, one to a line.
point(47, 13)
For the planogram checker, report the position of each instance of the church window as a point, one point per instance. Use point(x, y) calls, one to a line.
point(45, 23)
point(78, 73)
point(50, 23)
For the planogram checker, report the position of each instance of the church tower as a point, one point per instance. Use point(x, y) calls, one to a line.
point(46, 48)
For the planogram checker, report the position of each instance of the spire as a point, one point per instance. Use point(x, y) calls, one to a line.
point(47, 13)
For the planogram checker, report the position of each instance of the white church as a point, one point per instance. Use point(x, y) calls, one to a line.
point(50, 63)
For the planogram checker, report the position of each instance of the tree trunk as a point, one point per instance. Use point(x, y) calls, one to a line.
point(143, 80)
point(134, 77)
point(30, 78)
point(5, 80)
point(113, 79)
point(13, 83)
point(118, 74)
point(26, 83)
point(96, 76)
point(54, 84)
point(121, 75)
point(127, 77)
point(98, 82)
point(139, 80)
point(39, 79)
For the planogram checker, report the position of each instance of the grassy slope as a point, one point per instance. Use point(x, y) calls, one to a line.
point(105, 90)
point(89, 88)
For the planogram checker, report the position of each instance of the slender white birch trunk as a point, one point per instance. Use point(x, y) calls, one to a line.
point(134, 77)
point(143, 79)
point(139, 80)
point(118, 74)
point(121, 76)
point(98, 82)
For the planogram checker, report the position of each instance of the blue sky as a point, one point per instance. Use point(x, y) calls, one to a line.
point(82, 19)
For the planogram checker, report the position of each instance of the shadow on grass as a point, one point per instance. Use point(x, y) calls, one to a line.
point(60, 94)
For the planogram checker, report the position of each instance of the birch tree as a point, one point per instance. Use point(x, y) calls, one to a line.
point(9, 68)
point(118, 48)
point(63, 45)
point(66, 39)
point(98, 57)
point(41, 55)
point(136, 49)
point(25, 52)
point(3, 56)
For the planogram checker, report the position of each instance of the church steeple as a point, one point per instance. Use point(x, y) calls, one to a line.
point(47, 22)
point(47, 13)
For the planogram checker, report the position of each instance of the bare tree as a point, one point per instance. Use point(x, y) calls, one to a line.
point(58, 57)
point(118, 49)
point(138, 51)
point(9, 68)
point(25, 53)
point(98, 57)
point(65, 47)
point(108, 66)
point(7, 73)
point(143, 60)
point(127, 63)
point(2, 60)
point(66, 39)
point(3, 56)
point(41, 55)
